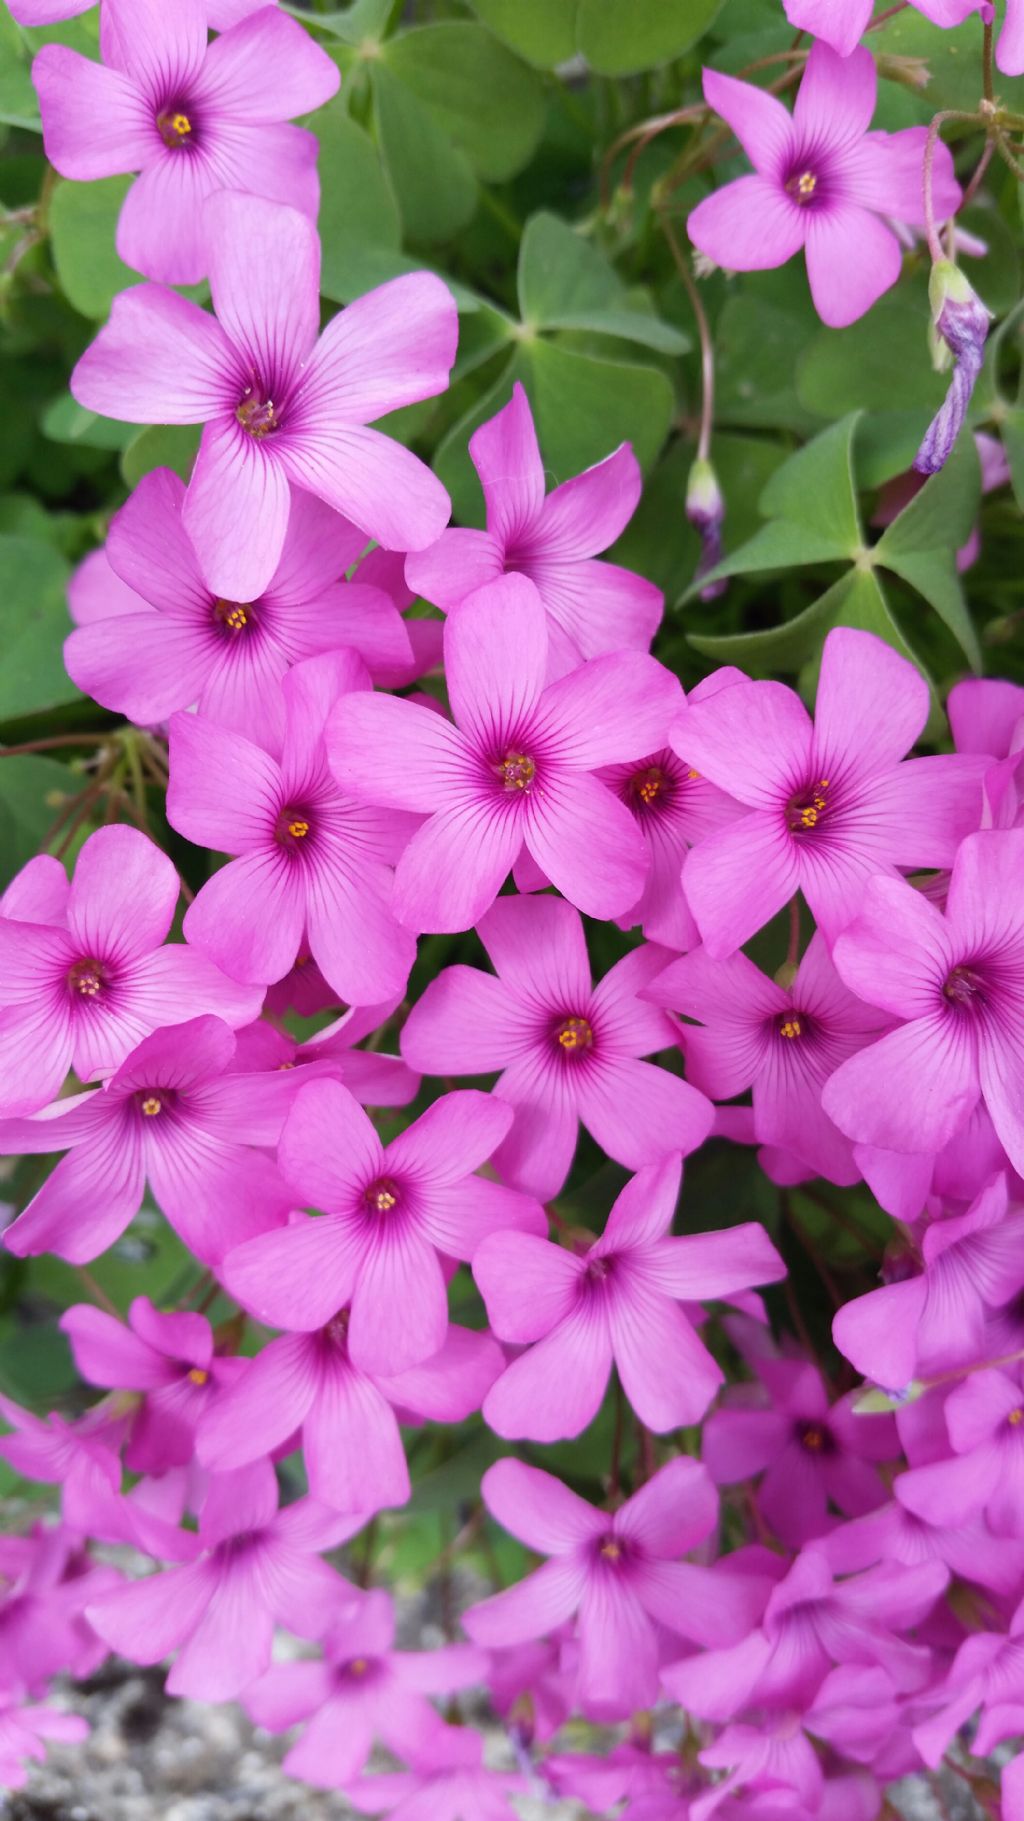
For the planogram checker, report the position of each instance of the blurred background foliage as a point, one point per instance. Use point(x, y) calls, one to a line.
point(493, 141)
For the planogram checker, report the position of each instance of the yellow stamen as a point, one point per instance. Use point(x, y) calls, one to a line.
point(359, 1666)
point(516, 771)
point(382, 1197)
point(198, 1376)
point(86, 978)
point(693, 776)
point(813, 1439)
point(611, 1550)
point(234, 614)
point(575, 1034)
point(173, 128)
point(803, 187)
point(1015, 1418)
point(151, 1106)
point(791, 1028)
point(298, 828)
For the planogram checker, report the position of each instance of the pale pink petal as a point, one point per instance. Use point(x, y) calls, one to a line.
point(456, 566)
point(759, 120)
point(586, 514)
point(613, 708)
point(532, 1608)
point(95, 121)
point(839, 26)
point(261, 1410)
point(248, 918)
point(148, 1619)
point(871, 704)
point(158, 46)
point(264, 263)
point(495, 659)
point(750, 225)
point(878, 1332)
point(637, 1111)
point(159, 360)
point(528, 1285)
point(836, 99)
point(538, 1509)
point(738, 878)
point(643, 1212)
point(667, 1373)
point(455, 865)
point(375, 482)
point(87, 1201)
point(298, 1277)
point(911, 1091)
point(538, 947)
point(231, 1644)
point(455, 1135)
point(233, 79)
point(618, 1668)
point(225, 791)
point(466, 1023)
point(106, 1352)
point(122, 895)
point(354, 1454)
point(394, 752)
point(596, 607)
point(753, 740)
point(400, 1303)
point(451, 1385)
point(554, 1389)
point(390, 348)
point(329, 1149)
point(160, 227)
point(507, 458)
point(587, 843)
point(537, 1154)
point(852, 258)
point(236, 509)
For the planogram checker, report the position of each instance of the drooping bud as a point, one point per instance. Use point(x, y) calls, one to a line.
point(961, 320)
point(705, 509)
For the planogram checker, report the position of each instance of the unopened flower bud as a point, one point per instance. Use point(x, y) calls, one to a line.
point(705, 509)
point(912, 72)
point(961, 320)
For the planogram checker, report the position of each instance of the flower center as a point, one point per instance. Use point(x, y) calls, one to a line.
point(293, 827)
point(965, 986)
point(258, 416)
point(358, 1666)
point(648, 785)
point(807, 807)
point(233, 616)
point(574, 1034)
point(87, 978)
point(382, 1196)
point(516, 771)
point(802, 185)
point(611, 1549)
point(151, 1105)
point(198, 1376)
point(1015, 1418)
point(813, 1440)
point(174, 126)
point(789, 1026)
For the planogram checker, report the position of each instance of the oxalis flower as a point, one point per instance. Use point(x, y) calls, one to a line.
point(227, 657)
point(220, 14)
point(281, 407)
point(955, 981)
point(614, 1302)
point(592, 607)
point(830, 802)
point(173, 1114)
point(842, 22)
point(516, 770)
point(193, 117)
point(823, 183)
point(390, 1213)
point(619, 1573)
point(84, 973)
point(568, 1050)
point(313, 874)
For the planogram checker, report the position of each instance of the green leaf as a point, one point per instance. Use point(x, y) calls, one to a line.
point(815, 487)
point(934, 575)
point(659, 540)
point(542, 31)
point(942, 515)
point(358, 214)
point(485, 101)
point(83, 222)
point(565, 282)
point(880, 363)
point(618, 40)
point(365, 19)
point(19, 105)
point(66, 421)
point(1012, 431)
point(756, 348)
point(777, 545)
point(855, 600)
point(161, 446)
point(33, 625)
point(431, 178)
point(32, 792)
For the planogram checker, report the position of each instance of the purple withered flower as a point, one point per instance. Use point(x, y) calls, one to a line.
point(592, 607)
point(616, 1302)
point(961, 320)
point(226, 657)
point(569, 1051)
point(283, 407)
point(192, 117)
point(85, 973)
point(173, 1114)
point(314, 867)
point(823, 183)
point(516, 770)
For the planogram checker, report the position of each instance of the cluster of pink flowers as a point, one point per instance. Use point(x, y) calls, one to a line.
point(829, 1587)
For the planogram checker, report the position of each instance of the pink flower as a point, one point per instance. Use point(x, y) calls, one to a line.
point(449, 1782)
point(987, 1673)
point(985, 1472)
point(823, 182)
point(619, 1572)
point(516, 770)
point(938, 1318)
point(842, 23)
point(314, 868)
point(169, 1358)
point(228, 657)
point(23, 1734)
point(249, 1566)
point(957, 982)
point(81, 1458)
point(193, 118)
point(391, 1213)
point(86, 977)
point(830, 802)
point(175, 1116)
point(782, 1043)
point(809, 1452)
point(46, 1580)
point(363, 1689)
point(376, 1080)
point(568, 1050)
point(592, 607)
point(220, 13)
point(349, 1419)
point(282, 408)
point(613, 1303)
point(811, 1623)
